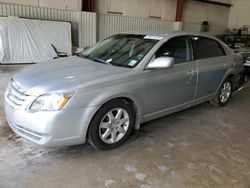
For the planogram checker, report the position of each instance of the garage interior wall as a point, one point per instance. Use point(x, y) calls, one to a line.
point(239, 14)
point(57, 4)
point(118, 16)
point(196, 12)
point(112, 24)
point(83, 23)
point(161, 9)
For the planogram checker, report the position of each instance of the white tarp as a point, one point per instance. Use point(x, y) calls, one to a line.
point(25, 40)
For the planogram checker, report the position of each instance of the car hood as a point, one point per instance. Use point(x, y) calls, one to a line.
point(64, 74)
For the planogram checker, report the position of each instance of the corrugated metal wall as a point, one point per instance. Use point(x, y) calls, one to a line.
point(85, 29)
point(112, 24)
point(83, 23)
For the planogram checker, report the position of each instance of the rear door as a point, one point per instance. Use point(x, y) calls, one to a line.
point(212, 63)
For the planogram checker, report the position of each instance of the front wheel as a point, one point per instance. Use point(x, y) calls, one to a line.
point(111, 125)
point(224, 94)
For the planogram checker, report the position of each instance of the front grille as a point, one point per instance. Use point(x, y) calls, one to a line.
point(15, 94)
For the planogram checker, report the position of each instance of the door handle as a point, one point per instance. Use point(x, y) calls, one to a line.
point(190, 73)
point(224, 66)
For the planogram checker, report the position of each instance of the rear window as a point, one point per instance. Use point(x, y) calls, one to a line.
point(207, 48)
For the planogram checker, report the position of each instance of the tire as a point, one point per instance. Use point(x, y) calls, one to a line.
point(224, 94)
point(111, 125)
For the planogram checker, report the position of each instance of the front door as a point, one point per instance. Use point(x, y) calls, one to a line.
point(168, 88)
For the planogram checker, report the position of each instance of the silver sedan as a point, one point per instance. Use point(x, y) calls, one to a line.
point(104, 93)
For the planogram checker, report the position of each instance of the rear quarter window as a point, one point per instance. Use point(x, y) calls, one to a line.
point(207, 48)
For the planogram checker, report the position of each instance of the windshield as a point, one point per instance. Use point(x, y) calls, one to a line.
point(121, 50)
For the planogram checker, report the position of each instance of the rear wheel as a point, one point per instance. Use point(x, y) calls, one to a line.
point(111, 125)
point(224, 94)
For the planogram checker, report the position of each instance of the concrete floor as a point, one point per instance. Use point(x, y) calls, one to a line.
point(203, 146)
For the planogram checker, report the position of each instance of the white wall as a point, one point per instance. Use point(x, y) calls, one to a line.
point(196, 12)
point(21, 2)
point(112, 24)
point(239, 14)
point(83, 23)
point(219, 17)
point(58, 4)
point(159, 9)
point(193, 15)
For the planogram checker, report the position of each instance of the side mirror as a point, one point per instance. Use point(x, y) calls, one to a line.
point(161, 63)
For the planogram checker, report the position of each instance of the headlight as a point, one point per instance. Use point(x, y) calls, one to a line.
point(51, 102)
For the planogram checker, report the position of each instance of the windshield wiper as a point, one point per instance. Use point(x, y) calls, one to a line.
point(94, 59)
point(81, 55)
point(100, 61)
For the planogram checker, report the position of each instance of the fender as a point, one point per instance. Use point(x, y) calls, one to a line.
point(101, 99)
point(107, 96)
point(229, 72)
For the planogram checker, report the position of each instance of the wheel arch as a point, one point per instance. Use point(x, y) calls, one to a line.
point(128, 98)
point(229, 75)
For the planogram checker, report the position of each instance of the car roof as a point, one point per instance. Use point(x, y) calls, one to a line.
point(169, 34)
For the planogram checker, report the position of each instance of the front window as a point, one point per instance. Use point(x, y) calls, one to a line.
point(179, 48)
point(122, 50)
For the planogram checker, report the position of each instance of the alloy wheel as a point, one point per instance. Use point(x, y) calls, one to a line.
point(225, 92)
point(114, 125)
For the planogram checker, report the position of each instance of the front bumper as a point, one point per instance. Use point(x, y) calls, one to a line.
point(51, 128)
